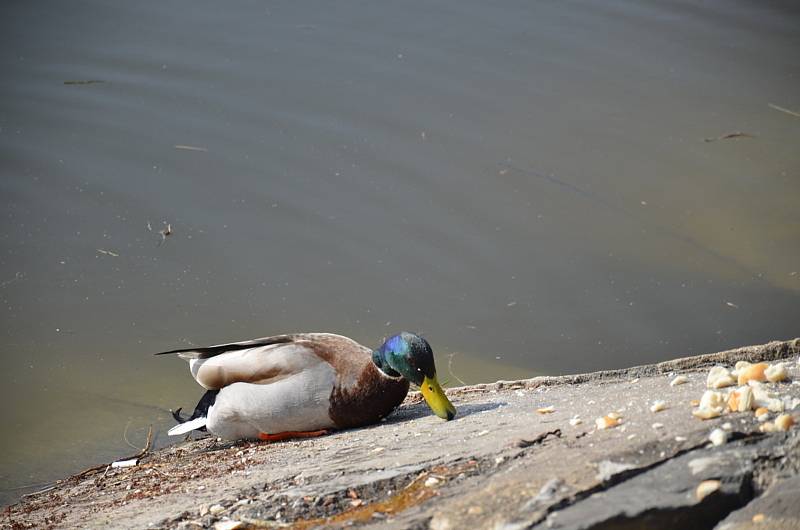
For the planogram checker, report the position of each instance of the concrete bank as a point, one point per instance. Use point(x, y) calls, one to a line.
point(521, 454)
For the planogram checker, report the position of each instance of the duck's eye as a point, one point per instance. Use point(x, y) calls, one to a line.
point(430, 388)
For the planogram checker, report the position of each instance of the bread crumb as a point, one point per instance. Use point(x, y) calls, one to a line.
point(679, 380)
point(706, 488)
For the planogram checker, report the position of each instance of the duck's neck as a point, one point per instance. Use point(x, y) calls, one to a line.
point(379, 359)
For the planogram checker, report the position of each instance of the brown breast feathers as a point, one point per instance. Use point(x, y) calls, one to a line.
point(363, 394)
point(372, 398)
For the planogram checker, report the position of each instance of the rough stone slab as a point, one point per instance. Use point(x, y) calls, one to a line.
point(665, 497)
point(777, 509)
point(416, 471)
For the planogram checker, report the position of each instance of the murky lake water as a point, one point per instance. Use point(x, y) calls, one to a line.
point(526, 183)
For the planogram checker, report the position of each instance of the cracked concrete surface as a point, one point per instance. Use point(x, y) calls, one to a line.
point(500, 464)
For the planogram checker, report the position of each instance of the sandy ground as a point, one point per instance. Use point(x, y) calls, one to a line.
point(501, 464)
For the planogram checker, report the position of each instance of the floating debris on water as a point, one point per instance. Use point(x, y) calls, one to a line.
point(165, 233)
point(784, 110)
point(84, 81)
point(190, 148)
point(728, 136)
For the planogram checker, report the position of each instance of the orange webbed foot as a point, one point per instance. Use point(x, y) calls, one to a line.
point(288, 435)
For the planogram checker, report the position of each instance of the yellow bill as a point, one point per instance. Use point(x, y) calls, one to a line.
point(436, 399)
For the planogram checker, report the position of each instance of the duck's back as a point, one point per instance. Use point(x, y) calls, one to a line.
point(301, 382)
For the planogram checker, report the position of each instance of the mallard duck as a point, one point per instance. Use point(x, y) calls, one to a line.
point(306, 384)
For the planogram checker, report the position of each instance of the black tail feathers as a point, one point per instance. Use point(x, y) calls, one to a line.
point(200, 410)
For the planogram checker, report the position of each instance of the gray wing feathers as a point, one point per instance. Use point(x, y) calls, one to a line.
point(213, 351)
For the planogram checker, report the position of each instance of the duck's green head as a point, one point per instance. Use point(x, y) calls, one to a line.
point(411, 356)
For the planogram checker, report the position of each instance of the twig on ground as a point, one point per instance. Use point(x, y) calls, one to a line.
point(522, 443)
point(91, 470)
point(34, 493)
point(147, 446)
point(106, 467)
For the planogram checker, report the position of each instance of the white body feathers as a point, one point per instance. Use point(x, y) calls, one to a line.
point(265, 389)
